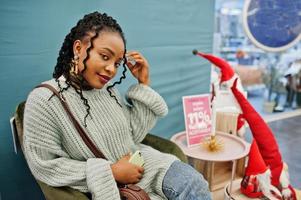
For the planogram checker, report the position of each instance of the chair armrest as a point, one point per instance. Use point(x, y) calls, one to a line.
point(65, 193)
point(165, 146)
point(19, 114)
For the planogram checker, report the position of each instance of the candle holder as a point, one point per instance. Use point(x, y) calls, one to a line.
point(212, 144)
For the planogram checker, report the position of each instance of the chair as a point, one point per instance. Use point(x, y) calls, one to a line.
point(67, 193)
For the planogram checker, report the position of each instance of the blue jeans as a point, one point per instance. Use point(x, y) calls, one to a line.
point(182, 182)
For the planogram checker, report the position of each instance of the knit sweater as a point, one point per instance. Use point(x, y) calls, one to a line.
point(57, 155)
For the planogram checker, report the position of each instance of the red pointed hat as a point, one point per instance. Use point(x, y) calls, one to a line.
point(240, 121)
point(226, 70)
point(256, 164)
point(262, 134)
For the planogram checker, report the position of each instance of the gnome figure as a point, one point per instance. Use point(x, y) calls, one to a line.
point(222, 96)
point(257, 182)
point(267, 147)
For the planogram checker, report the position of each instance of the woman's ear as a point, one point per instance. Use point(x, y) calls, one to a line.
point(77, 46)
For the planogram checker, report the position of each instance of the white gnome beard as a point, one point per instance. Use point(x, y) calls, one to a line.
point(225, 101)
point(229, 83)
point(265, 185)
point(277, 193)
point(286, 193)
point(284, 181)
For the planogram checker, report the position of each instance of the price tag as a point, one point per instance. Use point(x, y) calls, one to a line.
point(197, 115)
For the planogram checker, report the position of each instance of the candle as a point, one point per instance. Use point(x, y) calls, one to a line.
point(213, 118)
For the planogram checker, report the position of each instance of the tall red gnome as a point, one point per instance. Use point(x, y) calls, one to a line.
point(224, 99)
point(267, 146)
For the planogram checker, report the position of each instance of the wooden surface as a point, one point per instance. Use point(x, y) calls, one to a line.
point(233, 148)
point(208, 163)
point(226, 122)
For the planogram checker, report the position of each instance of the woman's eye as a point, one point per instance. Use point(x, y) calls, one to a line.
point(104, 57)
point(117, 65)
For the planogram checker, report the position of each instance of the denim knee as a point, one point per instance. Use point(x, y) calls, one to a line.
point(184, 182)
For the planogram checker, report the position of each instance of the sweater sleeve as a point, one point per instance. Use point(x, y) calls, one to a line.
point(51, 164)
point(146, 106)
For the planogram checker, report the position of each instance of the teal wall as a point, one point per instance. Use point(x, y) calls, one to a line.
point(32, 32)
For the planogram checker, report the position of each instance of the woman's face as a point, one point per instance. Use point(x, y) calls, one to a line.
point(105, 57)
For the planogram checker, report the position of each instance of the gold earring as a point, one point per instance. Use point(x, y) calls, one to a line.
point(74, 68)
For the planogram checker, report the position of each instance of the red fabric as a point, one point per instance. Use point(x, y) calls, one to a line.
point(263, 135)
point(240, 121)
point(293, 196)
point(226, 70)
point(249, 186)
point(256, 164)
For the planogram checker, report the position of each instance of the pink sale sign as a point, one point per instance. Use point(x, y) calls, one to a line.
point(197, 115)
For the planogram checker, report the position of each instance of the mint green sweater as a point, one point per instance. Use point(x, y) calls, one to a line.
point(57, 155)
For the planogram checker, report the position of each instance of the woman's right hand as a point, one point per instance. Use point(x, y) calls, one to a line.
point(125, 172)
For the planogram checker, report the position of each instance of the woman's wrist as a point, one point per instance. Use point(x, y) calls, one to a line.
point(114, 170)
point(144, 82)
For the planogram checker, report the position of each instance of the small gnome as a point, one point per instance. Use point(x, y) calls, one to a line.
point(257, 182)
point(220, 90)
point(267, 146)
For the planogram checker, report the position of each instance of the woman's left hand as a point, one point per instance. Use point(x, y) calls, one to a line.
point(139, 70)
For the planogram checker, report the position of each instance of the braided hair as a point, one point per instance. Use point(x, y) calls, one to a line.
point(91, 23)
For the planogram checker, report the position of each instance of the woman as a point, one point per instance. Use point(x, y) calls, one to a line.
point(89, 58)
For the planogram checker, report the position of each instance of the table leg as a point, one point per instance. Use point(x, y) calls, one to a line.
point(240, 167)
point(209, 173)
point(207, 169)
point(211, 176)
point(232, 175)
point(198, 165)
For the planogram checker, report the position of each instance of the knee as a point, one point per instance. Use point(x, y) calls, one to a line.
point(198, 186)
point(187, 183)
point(198, 181)
point(195, 180)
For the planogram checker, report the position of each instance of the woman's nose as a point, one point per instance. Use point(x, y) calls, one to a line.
point(110, 67)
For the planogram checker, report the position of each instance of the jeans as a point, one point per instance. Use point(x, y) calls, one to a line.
point(182, 182)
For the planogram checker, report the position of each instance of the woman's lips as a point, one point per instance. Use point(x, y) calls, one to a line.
point(104, 79)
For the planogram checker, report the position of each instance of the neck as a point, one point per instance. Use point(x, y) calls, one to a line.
point(78, 81)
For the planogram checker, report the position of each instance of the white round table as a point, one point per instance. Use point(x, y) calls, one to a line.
point(233, 149)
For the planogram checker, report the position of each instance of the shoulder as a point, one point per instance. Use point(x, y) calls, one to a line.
point(41, 95)
point(42, 92)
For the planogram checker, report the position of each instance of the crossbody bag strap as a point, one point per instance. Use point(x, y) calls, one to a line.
point(80, 130)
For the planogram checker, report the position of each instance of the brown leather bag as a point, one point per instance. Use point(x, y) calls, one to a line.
point(133, 192)
point(127, 192)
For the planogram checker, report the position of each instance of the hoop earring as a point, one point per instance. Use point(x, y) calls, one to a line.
point(74, 68)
